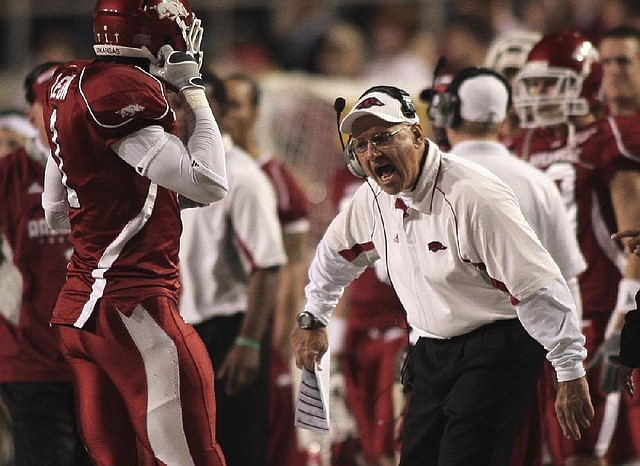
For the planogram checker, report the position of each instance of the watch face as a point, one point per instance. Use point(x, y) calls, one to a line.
point(305, 320)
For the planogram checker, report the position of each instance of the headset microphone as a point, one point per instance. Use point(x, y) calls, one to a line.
point(339, 106)
point(350, 158)
point(442, 62)
point(427, 94)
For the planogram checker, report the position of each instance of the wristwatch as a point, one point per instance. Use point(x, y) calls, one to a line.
point(308, 321)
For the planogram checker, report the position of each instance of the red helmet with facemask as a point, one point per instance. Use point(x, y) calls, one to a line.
point(560, 79)
point(139, 28)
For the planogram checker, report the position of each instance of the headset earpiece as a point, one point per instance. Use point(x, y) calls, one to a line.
point(352, 162)
point(444, 107)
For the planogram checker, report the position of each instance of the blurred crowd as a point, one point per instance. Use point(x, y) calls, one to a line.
point(393, 41)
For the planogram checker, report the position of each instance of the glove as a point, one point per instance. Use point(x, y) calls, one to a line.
point(181, 70)
point(608, 355)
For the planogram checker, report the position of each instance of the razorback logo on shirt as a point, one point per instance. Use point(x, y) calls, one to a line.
point(130, 110)
point(435, 246)
point(368, 103)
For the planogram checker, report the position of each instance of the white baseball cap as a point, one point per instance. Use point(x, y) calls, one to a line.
point(381, 105)
point(483, 99)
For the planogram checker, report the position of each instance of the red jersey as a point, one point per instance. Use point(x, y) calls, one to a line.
point(29, 351)
point(293, 204)
point(583, 173)
point(125, 229)
point(371, 302)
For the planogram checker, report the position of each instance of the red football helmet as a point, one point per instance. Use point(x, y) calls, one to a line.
point(560, 79)
point(139, 28)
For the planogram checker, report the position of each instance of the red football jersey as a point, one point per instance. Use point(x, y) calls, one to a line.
point(372, 303)
point(583, 173)
point(29, 351)
point(124, 228)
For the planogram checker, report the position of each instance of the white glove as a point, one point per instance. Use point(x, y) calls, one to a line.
point(179, 69)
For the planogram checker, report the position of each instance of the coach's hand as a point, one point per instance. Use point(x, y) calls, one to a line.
point(309, 346)
point(573, 407)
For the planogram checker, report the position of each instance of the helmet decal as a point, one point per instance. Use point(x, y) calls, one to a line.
point(171, 9)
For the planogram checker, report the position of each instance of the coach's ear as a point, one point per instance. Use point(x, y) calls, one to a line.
point(418, 135)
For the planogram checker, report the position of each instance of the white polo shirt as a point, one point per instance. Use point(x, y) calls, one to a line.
point(539, 199)
point(460, 257)
point(222, 243)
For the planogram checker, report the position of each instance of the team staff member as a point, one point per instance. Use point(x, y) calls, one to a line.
point(230, 258)
point(293, 213)
point(473, 278)
point(481, 100)
point(142, 378)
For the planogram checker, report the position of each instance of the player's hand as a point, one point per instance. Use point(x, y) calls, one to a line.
point(608, 356)
point(633, 244)
point(240, 368)
point(309, 346)
point(181, 70)
point(625, 380)
point(573, 407)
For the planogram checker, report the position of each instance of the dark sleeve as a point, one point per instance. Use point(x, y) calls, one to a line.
point(630, 338)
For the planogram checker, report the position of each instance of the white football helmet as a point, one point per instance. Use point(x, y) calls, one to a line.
point(508, 52)
point(560, 79)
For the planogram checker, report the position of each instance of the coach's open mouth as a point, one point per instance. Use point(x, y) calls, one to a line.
point(385, 172)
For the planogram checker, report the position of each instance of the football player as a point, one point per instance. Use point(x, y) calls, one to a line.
point(595, 162)
point(143, 380)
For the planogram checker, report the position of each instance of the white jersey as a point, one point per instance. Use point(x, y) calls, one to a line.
point(460, 255)
point(539, 199)
point(221, 244)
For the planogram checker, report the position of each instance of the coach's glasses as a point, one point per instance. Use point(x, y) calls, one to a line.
point(379, 141)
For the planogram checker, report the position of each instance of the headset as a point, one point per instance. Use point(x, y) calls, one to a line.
point(406, 107)
point(444, 107)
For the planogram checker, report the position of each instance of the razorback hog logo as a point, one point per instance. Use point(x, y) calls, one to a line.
point(171, 9)
point(130, 110)
point(435, 246)
point(369, 102)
